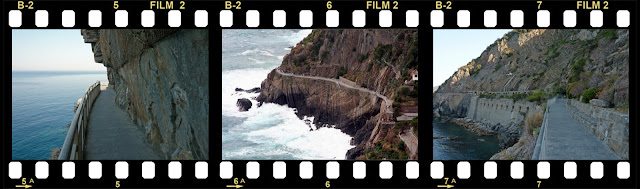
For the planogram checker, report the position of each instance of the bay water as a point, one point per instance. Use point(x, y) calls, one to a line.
point(41, 108)
point(455, 142)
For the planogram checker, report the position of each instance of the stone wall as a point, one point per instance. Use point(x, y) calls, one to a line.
point(609, 126)
point(161, 79)
point(503, 111)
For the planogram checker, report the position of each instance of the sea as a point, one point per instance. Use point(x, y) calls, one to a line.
point(461, 144)
point(41, 108)
point(271, 131)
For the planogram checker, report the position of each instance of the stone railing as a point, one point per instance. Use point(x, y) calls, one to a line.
point(538, 152)
point(73, 147)
point(609, 126)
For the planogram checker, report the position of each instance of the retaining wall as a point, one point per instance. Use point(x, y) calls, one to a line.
point(609, 126)
point(503, 111)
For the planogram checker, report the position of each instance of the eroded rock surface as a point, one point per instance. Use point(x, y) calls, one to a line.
point(161, 79)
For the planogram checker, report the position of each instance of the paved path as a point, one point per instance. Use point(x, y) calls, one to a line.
point(386, 100)
point(111, 135)
point(504, 87)
point(566, 139)
point(406, 138)
point(398, 75)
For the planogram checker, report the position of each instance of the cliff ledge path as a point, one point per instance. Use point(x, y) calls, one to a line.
point(111, 135)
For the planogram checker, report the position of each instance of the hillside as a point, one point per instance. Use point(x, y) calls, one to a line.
point(378, 61)
point(569, 62)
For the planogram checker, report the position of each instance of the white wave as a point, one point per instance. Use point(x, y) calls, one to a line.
point(295, 134)
point(258, 52)
point(245, 79)
point(298, 36)
point(256, 60)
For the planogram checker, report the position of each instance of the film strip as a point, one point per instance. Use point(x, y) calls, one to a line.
point(219, 18)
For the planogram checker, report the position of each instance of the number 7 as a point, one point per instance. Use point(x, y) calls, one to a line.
point(539, 183)
point(539, 3)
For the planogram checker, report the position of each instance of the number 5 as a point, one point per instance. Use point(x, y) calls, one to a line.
point(115, 5)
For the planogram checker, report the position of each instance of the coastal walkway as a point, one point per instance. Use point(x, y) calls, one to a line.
point(340, 83)
point(111, 135)
point(410, 141)
point(565, 139)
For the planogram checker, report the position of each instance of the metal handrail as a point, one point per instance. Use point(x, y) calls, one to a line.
point(537, 152)
point(73, 147)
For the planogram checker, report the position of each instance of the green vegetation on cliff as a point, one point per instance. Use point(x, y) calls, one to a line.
point(564, 62)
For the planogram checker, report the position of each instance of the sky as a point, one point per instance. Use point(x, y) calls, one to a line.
point(51, 50)
point(454, 48)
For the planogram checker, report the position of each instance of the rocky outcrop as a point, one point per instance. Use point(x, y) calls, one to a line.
point(365, 57)
point(599, 103)
point(254, 90)
point(453, 105)
point(161, 79)
point(244, 104)
point(508, 134)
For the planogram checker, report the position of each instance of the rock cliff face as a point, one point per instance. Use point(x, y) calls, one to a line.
point(570, 60)
point(379, 60)
point(161, 79)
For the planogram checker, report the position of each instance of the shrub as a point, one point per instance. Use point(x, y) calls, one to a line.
point(576, 69)
point(363, 57)
point(414, 93)
point(370, 155)
point(401, 146)
point(382, 51)
point(559, 89)
point(497, 67)
point(608, 34)
point(590, 94)
point(324, 55)
point(341, 72)
point(518, 97)
point(397, 98)
point(533, 121)
point(537, 96)
point(404, 91)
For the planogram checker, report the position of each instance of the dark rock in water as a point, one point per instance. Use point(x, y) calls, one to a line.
point(244, 104)
point(54, 154)
point(259, 104)
point(254, 90)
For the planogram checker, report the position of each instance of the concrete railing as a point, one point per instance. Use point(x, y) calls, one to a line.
point(539, 149)
point(73, 147)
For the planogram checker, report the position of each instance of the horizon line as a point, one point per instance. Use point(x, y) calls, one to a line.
point(59, 70)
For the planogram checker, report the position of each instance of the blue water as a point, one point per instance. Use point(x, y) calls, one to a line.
point(461, 144)
point(41, 107)
point(271, 131)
